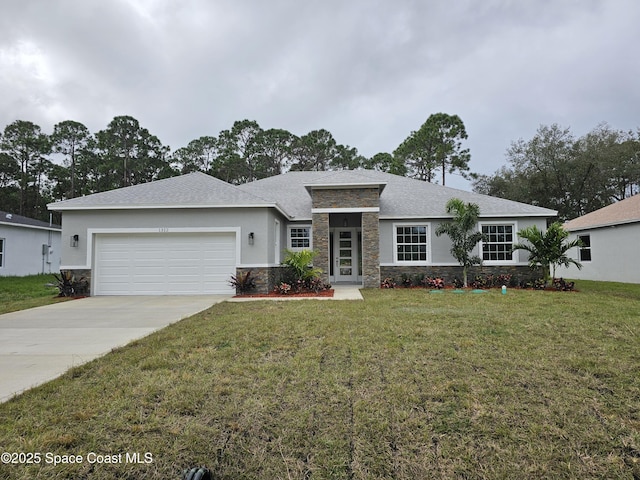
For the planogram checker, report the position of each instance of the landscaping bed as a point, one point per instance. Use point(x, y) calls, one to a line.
point(276, 294)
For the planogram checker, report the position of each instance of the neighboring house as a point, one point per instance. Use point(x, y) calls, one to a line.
point(610, 239)
point(189, 234)
point(28, 246)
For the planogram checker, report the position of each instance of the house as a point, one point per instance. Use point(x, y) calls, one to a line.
point(28, 246)
point(609, 238)
point(189, 234)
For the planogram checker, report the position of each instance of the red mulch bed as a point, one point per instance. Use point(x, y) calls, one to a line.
point(323, 293)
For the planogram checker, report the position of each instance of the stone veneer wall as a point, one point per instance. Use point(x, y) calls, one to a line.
point(370, 249)
point(266, 278)
point(519, 273)
point(346, 198)
point(320, 234)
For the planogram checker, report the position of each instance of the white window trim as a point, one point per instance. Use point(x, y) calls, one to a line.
point(514, 255)
point(297, 249)
point(395, 243)
point(3, 256)
point(276, 240)
point(580, 249)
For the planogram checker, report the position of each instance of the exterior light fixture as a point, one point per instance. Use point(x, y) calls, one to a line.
point(74, 240)
point(251, 237)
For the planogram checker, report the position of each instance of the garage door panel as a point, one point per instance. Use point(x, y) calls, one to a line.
point(164, 264)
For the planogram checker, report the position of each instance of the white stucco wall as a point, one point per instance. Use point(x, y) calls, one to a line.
point(614, 255)
point(23, 250)
point(260, 221)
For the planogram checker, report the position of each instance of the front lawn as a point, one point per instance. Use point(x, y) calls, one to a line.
point(20, 293)
point(404, 385)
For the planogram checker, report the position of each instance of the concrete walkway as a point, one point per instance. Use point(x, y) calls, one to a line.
point(39, 344)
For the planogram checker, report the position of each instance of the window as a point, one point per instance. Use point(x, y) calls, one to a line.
point(497, 247)
point(411, 243)
point(585, 249)
point(300, 237)
point(1, 252)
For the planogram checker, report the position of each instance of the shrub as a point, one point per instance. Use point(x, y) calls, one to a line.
point(70, 286)
point(388, 283)
point(242, 283)
point(283, 288)
point(300, 276)
point(436, 283)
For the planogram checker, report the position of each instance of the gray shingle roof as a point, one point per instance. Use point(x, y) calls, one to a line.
point(400, 197)
point(194, 189)
point(7, 218)
point(624, 211)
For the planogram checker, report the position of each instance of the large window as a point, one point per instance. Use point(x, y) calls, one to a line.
point(300, 237)
point(1, 252)
point(585, 249)
point(411, 243)
point(498, 243)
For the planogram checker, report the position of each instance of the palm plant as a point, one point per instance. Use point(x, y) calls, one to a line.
point(463, 234)
point(548, 249)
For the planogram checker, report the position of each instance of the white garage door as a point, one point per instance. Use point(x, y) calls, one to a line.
point(164, 263)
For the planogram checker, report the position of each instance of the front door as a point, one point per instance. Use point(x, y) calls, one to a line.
point(345, 252)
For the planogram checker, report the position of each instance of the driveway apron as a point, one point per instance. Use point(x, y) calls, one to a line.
point(40, 344)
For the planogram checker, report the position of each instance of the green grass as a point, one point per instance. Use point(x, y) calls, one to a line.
point(19, 293)
point(404, 385)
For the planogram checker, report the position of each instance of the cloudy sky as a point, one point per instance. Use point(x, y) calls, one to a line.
point(369, 71)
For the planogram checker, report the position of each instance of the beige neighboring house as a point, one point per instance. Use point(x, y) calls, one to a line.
point(611, 240)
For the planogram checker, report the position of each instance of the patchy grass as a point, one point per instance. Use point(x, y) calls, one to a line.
point(404, 385)
point(20, 293)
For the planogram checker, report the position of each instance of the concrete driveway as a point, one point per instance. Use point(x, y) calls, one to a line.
point(39, 344)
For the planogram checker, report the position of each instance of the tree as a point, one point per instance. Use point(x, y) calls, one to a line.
point(385, 162)
point(436, 145)
point(573, 176)
point(462, 232)
point(271, 151)
point(128, 154)
point(237, 162)
point(69, 138)
point(199, 155)
point(314, 151)
point(26, 146)
point(548, 249)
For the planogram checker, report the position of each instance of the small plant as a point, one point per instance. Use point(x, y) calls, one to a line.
point(458, 283)
point(300, 265)
point(388, 283)
point(505, 279)
point(435, 283)
point(70, 286)
point(283, 288)
point(562, 285)
point(242, 283)
point(405, 281)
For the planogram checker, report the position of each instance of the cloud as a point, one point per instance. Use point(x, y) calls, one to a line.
point(368, 71)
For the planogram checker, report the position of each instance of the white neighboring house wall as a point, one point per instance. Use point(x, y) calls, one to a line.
point(28, 250)
point(613, 251)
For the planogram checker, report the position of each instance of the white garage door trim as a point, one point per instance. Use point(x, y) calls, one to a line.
point(216, 260)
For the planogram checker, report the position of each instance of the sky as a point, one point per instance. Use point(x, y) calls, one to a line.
point(368, 71)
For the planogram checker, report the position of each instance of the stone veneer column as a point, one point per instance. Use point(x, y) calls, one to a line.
point(370, 250)
point(320, 235)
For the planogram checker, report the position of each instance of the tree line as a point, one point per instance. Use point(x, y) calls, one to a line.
point(553, 169)
point(572, 175)
point(37, 168)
